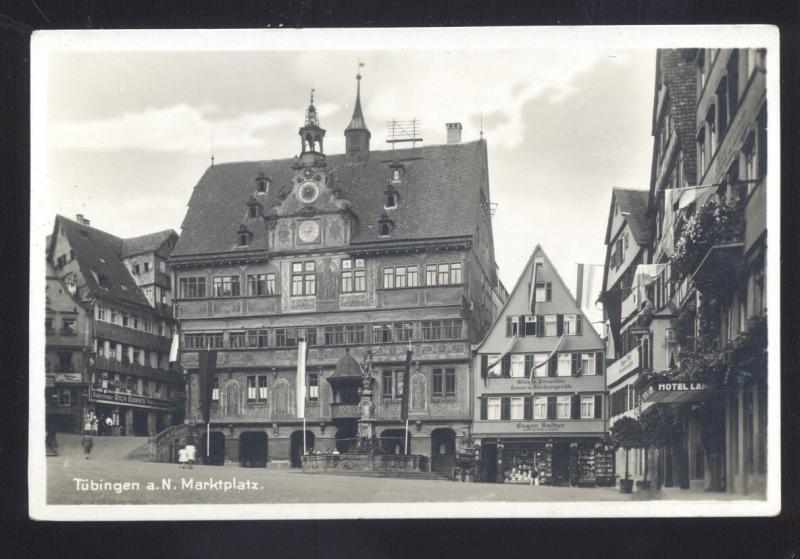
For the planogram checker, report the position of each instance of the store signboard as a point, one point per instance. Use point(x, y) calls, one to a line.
point(538, 427)
point(49, 380)
point(68, 378)
point(628, 363)
point(523, 385)
point(130, 399)
point(675, 392)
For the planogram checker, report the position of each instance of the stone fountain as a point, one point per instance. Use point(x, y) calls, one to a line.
point(366, 454)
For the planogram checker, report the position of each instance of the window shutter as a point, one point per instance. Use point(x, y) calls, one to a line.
point(559, 324)
point(484, 366)
point(508, 327)
point(528, 363)
point(484, 413)
point(598, 363)
point(505, 407)
point(528, 407)
point(505, 367)
point(579, 324)
point(598, 406)
point(551, 407)
point(549, 291)
point(521, 326)
point(552, 365)
point(576, 363)
point(540, 325)
point(575, 406)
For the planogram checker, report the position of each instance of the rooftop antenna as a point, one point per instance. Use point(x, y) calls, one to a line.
point(212, 147)
point(481, 125)
point(404, 131)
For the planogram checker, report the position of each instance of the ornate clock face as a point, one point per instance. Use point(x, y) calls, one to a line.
point(308, 231)
point(308, 192)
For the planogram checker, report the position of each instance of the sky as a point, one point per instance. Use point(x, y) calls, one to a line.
point(129, 134)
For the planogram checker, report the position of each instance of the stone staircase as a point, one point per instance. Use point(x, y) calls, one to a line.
point(163, 446)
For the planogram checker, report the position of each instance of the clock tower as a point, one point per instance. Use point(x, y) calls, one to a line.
point(311, 213)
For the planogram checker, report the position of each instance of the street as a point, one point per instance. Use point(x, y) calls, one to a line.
point(206, 485)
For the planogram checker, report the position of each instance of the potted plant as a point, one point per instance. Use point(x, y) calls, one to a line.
point(625, 434)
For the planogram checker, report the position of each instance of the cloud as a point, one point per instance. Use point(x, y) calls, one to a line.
point(178, 128)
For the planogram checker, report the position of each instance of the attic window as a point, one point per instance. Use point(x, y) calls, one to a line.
point(391, 201)
point(253, 211)
point(395, 174)
point(103, 282)
point(262, 183)
point(385, 225)
point(245, 236)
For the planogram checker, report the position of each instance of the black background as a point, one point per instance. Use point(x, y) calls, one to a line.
point(590, 538)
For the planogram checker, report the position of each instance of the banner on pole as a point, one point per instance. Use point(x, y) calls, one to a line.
point(300, 384)
point(406, 387)
point(208, 367)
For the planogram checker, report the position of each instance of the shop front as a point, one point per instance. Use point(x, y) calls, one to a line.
point(560, 452)
point(129, 414)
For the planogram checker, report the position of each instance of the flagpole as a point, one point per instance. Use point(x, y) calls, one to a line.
point(305, 448)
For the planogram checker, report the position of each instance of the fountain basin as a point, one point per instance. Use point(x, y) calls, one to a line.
point(361, 462)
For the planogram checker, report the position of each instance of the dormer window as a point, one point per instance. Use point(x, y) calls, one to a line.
point(391, 201)
point(253, 211)
point(245, 236)
point(254, 208)
point(385, 225)
point(395, 174)
point(397, 171)
point(262, 183)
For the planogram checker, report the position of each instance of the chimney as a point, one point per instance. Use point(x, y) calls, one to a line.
point(82, 220)
point(453, 133)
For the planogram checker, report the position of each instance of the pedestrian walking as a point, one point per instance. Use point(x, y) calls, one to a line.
point(182, 459)
point(87, 423)
point(109, 424)
point(87, 443)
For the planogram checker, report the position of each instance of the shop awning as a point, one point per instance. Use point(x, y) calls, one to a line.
point(679, 392)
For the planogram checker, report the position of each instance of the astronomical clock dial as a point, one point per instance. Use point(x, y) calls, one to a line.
point(308, 192)
point(308, 231)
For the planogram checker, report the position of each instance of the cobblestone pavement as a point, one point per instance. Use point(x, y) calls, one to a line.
point(207, 484)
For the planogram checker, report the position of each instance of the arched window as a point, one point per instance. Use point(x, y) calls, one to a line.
point(385, 229)
point(391, 201)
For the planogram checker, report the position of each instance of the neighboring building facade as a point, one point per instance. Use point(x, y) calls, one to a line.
point(67, 328)
point(128, 376)
point(702, 299)
point(554, 419)
point(369, 249)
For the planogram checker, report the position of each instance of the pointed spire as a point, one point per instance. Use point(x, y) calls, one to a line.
point(311, 112)
point(358, 122)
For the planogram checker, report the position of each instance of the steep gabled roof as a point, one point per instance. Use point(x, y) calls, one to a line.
point(679, 73)
point(146, 243)
point(439, 197)
point(563, 302)
point(99, 255)
point(634, 203)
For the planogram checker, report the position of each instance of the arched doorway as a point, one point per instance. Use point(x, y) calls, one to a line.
point(443, 450)
point(296, 449)
point(217, 455)
point(393, 440)
point(345, 436)
point(253, 449)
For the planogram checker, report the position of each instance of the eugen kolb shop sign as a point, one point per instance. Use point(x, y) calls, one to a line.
point(117, 398)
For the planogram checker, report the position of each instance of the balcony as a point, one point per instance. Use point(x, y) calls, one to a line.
point(124, 367)
point(345, 411)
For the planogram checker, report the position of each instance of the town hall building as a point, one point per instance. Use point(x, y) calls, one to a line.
point(366, 251)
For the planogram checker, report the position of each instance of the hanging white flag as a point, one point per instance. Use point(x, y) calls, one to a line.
point(173, 350)
point(300, 384)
